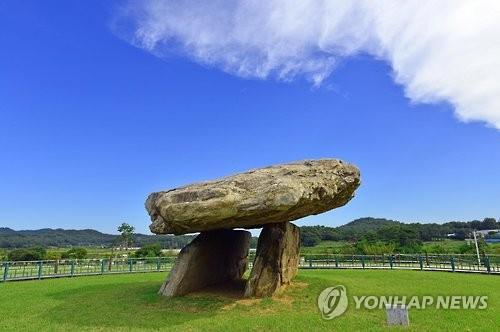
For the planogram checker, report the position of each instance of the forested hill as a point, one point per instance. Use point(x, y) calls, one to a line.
point(369, 229)
point(367, 224)
point(47, 237)
point(386, 230)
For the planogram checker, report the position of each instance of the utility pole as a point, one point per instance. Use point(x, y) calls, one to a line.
point(477, 248)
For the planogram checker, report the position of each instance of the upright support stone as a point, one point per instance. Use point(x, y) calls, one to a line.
point(213, 257)
point(276, 260)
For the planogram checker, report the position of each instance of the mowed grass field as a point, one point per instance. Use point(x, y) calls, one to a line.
point(129, 303)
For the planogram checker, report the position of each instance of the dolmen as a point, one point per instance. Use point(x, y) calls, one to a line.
point(267, 198)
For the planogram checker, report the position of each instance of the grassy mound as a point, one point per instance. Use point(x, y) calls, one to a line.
point(129, 302)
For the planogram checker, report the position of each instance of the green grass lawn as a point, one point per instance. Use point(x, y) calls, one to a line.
point(129, 302)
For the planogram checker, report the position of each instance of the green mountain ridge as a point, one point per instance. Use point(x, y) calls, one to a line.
point(359, 229)
point(48, 237)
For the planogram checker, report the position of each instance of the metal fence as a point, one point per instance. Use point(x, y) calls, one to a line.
point(25, 270)
point(453, 263)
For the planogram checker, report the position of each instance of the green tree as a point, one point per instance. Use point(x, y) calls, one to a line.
point(309, 239)
point(149, 250)
point(489, 223)
point(27, 254)
point(3, 255)
point(126, 235)
point(370, 236)
point(466, 248)
point(75, 253)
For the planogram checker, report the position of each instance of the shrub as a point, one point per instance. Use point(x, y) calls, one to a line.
point(75, 253)
point(149, 250)
point(51, 255)
point(437, 249)
point(3, 255)
point(27, 254)
point(348, 249)
point(309, 239)
point(377, 248)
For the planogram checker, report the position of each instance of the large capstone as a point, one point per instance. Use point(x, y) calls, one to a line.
point(276, 260)
point(214, 257)
point(252, 199)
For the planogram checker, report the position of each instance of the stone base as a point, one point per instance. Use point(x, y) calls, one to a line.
point(276, 261)
point(213, 257)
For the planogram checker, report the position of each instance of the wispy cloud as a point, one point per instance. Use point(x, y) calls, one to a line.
point(447, 50)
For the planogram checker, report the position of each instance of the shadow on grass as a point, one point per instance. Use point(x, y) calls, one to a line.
point(132, 305)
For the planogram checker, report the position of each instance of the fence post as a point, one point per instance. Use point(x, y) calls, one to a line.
point(130, 264)
point(72, 267)
point(487, 264)
point(421, 262)
point(363, 261)
point(452, 261)
point(158, 264)
point(40, 267)
point(336, 261)
point(391, 261)
point(6, 271)
point(102, 266)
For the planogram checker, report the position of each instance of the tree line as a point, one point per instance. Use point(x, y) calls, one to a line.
point(365, 236)
point(378, 235)
point(61, 238)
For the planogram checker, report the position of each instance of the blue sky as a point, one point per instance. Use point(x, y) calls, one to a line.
point(90, 124)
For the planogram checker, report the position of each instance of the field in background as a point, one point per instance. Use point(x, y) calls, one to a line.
point(93, 252)
point(324, 247)
point(129, 302)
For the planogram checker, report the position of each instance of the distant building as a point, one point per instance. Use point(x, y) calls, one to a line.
point(486, 235)
point(485, 232)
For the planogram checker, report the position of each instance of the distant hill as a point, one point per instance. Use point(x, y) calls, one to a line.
point(368, 228)
point(6, 231)
point(373, 229)
point(368, 224)
point(47, 237)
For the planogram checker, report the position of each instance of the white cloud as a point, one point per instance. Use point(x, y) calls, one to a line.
point(446, 50)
